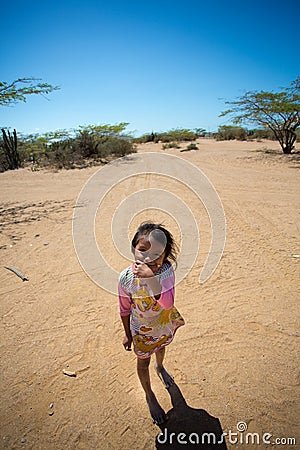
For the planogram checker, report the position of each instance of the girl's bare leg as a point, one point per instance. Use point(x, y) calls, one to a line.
point(165, 377)
point(157, 413)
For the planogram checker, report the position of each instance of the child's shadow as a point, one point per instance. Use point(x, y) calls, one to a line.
point(189, 428)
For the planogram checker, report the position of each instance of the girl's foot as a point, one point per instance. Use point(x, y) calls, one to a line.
point(165, 377)
point(157, 413)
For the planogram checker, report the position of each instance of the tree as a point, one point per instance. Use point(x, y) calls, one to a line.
point(16, 91)
point(278, 111)
point(201, 132)
point(229, 132)
point(10, 94)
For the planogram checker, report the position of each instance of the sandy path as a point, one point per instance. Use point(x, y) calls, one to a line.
point(237, 357)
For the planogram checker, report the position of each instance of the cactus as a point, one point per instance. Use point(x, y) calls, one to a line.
point(10, 147)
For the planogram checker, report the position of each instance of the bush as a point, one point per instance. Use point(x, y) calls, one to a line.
point(179, 135)
point(192, 146)
point(76, 153)
point(230, 132)
point(92, 144)
point(200, 132)
point(262, 134)
point(170, 145)
point(148, 137)
point(174, 135)
point(115, 147)
point(64, 154)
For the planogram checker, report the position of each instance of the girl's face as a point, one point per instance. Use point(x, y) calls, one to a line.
point(150, 252)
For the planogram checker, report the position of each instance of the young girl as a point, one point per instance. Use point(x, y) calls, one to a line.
point(146, 299)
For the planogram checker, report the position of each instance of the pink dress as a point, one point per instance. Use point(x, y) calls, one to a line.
point(153, 322)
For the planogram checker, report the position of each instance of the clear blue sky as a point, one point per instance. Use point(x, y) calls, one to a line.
point(157, 64)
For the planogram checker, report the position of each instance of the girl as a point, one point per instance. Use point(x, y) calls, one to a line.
point(146, 298)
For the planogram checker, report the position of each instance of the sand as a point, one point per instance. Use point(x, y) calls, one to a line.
point(237, 357)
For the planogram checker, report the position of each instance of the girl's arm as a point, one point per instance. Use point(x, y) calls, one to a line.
point(125, 310)
point(126, 325)
point(127, 341)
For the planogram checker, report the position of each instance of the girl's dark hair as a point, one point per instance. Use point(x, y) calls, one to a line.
point(146, 228)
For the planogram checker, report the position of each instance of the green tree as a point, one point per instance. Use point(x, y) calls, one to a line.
point(201, 132)
point(10, 94)
point(229, 132)
point(17, 91)
point(177, 135)
point(105, 130)
point(101, 140)
point(277, 111)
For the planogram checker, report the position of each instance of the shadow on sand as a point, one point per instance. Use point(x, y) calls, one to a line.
point(189, 428)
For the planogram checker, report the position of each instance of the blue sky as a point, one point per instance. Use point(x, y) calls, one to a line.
point(155, 64)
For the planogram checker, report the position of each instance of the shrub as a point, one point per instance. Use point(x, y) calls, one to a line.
point(192, 146)
point(179, 134)
point(170, 145)
point(76, 148)
point(262, 133)
point(230, 132)
point(148, 137)
point(200, 132)
point(174, 135)
point(116, 147)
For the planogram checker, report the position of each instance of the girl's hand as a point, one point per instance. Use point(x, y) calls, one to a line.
point(142, 270)
point(127, 341)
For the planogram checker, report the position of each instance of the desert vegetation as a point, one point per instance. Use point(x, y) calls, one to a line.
point(98, 144)
point(278, 112)
point(174, 135)
point(276, 116)
point(81, 147)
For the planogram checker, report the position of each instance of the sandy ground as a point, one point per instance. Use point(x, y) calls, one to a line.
point(237, 357)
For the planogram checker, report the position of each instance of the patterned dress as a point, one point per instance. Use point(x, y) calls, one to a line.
point(153, 322)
